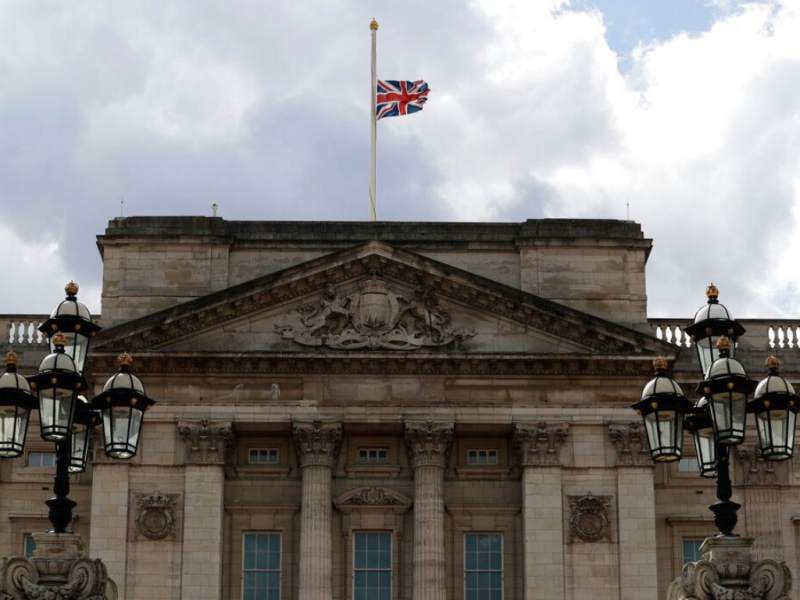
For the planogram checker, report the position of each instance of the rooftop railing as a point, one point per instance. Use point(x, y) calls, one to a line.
point(761, 334)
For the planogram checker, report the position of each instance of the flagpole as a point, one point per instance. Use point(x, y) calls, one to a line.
point(373, 188)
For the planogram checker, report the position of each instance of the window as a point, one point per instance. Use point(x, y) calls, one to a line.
point(28, 545)
point(691, 549)
point(688, 465)
point(41, 459)
point(483, 566)
point(481, 457)
point(372, 566)
point(373, 456)
point(264, 456)
point(261, 568)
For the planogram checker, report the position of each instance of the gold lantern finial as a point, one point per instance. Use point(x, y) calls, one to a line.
point(373, 25)
point(125, 360)
point(660, 364)
point(712, 291)
point(59, 339)
point(724, 343)
point(11, 358)
point(772, 363)
point(71, 288)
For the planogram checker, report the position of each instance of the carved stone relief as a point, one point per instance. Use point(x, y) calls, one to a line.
point(588, 521)
point(539, 444)
point(372, 496)
point(754, 470)
point(429, 443)
point(630, 440)
point(207, 442)
point(156, 517)
point(374, 317)
point(317, 443)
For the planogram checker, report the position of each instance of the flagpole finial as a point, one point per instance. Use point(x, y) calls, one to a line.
point(373, 25)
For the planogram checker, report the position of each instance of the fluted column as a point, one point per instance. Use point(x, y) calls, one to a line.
point(317, 448)
point(539, 446)
point(429, 447)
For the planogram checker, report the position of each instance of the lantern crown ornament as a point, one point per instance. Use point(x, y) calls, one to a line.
point(122, 403)
point(16, 403)
point(775, 405)
point(711, 321)
point(662, 407)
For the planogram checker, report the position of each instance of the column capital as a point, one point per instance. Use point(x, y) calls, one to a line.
point(207, 442)
point(317, 442)
point(630, 440)
point(539, 444)
point(429, 442)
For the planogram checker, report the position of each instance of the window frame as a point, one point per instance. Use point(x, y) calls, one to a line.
point(279, 570)
point(353, 534)
point(377, 450)
point(267, 450)
point(684, 540)
point(490, 452)
point(41, 453)
point(26, 536)
point(502, 561)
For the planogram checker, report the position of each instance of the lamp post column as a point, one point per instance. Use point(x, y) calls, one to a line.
point(429, 448)
point(318, 446)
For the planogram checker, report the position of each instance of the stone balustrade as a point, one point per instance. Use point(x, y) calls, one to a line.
point(761, 334)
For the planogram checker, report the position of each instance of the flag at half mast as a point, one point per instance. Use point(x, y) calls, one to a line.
point(389, 98)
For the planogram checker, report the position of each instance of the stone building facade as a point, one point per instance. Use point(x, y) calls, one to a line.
point(392, 411)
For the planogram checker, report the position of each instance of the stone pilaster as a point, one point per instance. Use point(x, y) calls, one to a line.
point(317, 446)
point(206, 444)
point(429, 446)
point(760, 482)
point(539, 446)
point(108, 537)
point(636, 505)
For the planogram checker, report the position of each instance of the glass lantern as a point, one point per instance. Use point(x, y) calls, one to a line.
point(86, 418)
point(16, 403)
point(775, 407)
point(122, 403)
point(57, 384)
point(662, 407)
point(726, 387)
point(73, 320)
point(711, 322)
point(698, 424)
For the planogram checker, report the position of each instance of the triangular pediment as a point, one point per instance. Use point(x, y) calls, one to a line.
point(376, 298)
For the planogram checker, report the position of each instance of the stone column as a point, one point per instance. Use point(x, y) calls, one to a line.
point(207, 445)
point(108, 537)
point(318, 446)
point(428, 446)
point(636, 506)
point(539, 446)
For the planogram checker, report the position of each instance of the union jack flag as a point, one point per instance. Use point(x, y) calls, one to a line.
point(397, 98)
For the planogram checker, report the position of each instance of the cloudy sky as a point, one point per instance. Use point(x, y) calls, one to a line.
point(688, 110)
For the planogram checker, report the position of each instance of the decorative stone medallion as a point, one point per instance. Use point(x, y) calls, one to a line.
point(588, 520)
point(156, 518)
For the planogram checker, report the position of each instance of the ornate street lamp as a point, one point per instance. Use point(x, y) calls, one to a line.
point(775, 407)
point(663, 407)
point(718, 419)
point(16, 403)
point(65, 416)
point(710, 323)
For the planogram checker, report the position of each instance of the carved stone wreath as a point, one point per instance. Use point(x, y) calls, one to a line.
point(588, 520)
point(156, 518)
point(374, 318)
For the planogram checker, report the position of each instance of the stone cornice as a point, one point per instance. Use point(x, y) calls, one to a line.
point(429, 443)
point(317, 442)
point(539, 444)
point(393, 264)
point(379, 363)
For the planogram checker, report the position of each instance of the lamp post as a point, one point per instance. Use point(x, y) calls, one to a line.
point(716, 422)
point(66, 417)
